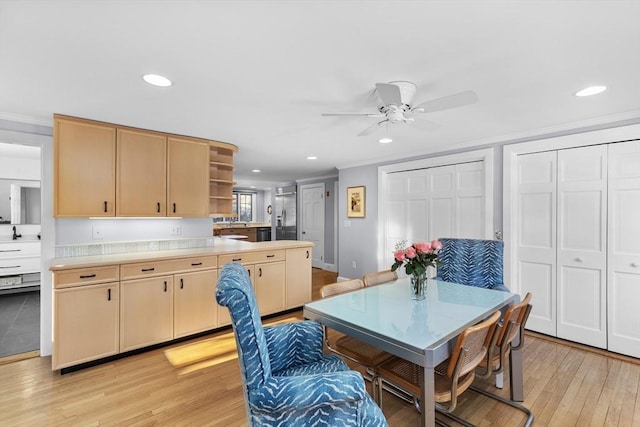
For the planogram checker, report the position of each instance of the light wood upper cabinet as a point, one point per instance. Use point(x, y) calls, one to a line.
point(188, 178)
point(141, 183)
point(84, 168)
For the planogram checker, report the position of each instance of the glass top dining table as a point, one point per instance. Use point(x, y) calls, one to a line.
point(422, 332)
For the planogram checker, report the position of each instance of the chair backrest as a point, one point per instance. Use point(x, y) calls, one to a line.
point(235, 292)
point(513, 321)
point(341, 287)
point(471, 262)
point(379, 277)
point(471, 347)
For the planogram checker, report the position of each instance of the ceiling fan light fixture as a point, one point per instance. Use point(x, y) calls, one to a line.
point(157, 80)
point(591, 90)
point(385, 140)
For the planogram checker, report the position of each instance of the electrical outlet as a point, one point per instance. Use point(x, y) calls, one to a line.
point(353, 264)
point(98, 232)
point(176, 230)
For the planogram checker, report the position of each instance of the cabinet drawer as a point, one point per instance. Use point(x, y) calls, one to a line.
point(85, 276)
point(196, 263)
point(148, 269)
point(22, 249)
point(19, 265)
point(253, 257)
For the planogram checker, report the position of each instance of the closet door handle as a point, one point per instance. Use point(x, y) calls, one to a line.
point(165, 286)
point(181, 283)
point(108, 294)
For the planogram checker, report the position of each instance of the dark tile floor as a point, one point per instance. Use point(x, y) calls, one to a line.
point(19, 323)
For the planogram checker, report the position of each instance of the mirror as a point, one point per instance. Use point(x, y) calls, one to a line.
point(19, 201)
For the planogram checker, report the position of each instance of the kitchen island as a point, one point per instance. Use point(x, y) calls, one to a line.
point(105, 305)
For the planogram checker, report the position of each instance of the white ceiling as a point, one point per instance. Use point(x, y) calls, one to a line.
point(259, 73)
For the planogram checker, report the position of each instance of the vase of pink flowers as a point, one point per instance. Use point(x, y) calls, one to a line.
point(416, 258)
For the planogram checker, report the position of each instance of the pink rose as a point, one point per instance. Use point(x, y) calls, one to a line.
point(399, 255)
point(410, 252)
point(424, 248)
point(436, 244)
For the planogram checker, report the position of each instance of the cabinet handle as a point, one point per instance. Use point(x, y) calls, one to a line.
point(144, 270)
point(11, 250)
point(105, 206)
point(181, 283)
point(579, 259)
point(307, 254)
point(108, 294)
point(11, 266)
point(635, 264)
point(195, 264)
point(260, 272)
point(270, 256)
point(174, 208)
point(165, 286)
point(158, 207)
point(249, 273)
point(88, 276)
point(236, 259)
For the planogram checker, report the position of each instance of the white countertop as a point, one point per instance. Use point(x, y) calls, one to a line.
point(221, 246)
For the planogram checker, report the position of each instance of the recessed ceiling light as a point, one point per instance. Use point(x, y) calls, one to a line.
point(385, 140)
point(252, 186)
point(591, 90)
point(312, 158)
point(157, 80)
point(255, 170)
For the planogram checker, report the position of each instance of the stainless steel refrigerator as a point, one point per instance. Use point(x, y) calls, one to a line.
point(286, 207)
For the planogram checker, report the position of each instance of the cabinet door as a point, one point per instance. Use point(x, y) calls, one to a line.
point(85, 324)
point(298, 277)
point(84, 168)
point(624, 248)
point(146, 312)
point(141, 184)
point(582, 245)
point(188, 178)
point(223, 312)
point(195, 306)
point(269, 286)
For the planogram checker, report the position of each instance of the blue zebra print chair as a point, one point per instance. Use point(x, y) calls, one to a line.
point(472, 262)
point(287, 379)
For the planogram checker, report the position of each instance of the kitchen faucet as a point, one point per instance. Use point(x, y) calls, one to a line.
point(15, 235)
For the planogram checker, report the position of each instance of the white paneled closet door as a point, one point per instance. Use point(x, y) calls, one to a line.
point(537, 237)
point(582, 245)
point(624, 248)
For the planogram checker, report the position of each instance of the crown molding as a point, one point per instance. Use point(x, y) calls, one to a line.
point(26, 119)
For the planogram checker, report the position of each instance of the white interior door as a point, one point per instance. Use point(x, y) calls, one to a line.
point(624, 248)
point(536, 237)
point(313, 220)
point(582, 245)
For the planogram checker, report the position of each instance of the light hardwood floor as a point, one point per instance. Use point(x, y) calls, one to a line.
point(184, 384)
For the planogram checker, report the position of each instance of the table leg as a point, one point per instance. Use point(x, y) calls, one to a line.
point(516, 380)
point(427, 398)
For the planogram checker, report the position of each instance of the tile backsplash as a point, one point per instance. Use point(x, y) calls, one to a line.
point(106, 248)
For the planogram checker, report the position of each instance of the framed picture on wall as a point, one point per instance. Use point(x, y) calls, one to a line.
point(355, 202)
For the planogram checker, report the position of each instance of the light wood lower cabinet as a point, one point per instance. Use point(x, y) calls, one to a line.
point(194, 304)
point(269, 286)
point(224, 318)
point(85, 322)
point(146, 312)
point(298, 277)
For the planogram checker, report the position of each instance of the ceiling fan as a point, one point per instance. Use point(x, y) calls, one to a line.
point(397, 99)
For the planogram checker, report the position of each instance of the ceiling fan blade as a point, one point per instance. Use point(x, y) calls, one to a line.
point(371, 129)
point(389, 94)
point(354, 114)
point(422, 124)
point(446, 102)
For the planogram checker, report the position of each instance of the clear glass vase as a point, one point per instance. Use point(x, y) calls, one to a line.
point(418, 286)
